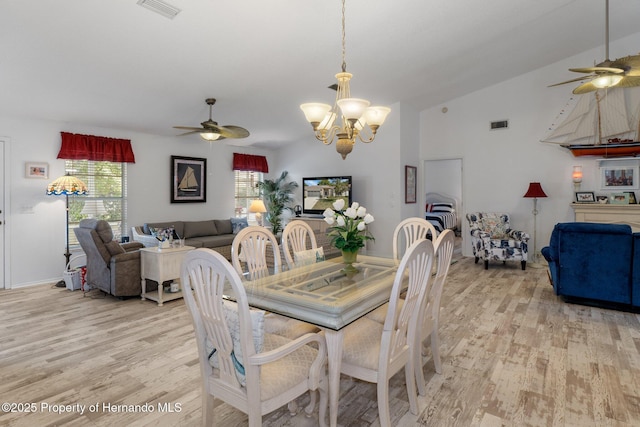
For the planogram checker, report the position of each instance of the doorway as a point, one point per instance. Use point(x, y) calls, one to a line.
point(444, 176)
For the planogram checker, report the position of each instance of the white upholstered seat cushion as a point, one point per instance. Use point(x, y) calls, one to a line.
point(380, 313)
point(280, 376)
point(362, 343)
point(286, 327)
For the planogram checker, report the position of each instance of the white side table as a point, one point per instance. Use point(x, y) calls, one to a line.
point(161, 265)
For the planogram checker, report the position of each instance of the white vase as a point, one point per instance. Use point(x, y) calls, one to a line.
point(164, 244)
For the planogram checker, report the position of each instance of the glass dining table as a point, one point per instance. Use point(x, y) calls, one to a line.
point(324, 295)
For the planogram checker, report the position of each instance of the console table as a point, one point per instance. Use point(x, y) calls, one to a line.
point(608, 214)
point(161, 265)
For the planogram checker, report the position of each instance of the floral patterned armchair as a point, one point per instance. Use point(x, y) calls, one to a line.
point(493, 239)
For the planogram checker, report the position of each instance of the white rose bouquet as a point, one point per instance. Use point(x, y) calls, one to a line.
point(349, 226)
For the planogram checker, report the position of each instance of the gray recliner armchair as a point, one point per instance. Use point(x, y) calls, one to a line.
point(111, 267)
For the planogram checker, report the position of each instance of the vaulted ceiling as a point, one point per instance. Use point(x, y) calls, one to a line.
point(116, 64)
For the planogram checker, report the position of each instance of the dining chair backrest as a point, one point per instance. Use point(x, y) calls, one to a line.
point(294, 239)
point(430, 310)
point(409, 231)
point(390, 344)
point(230, 339)
point(250, 246)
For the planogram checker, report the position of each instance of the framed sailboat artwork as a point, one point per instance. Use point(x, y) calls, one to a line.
point(188, 179)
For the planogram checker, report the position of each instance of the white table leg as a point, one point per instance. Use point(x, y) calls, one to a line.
point(144, 288)
point(334, 355)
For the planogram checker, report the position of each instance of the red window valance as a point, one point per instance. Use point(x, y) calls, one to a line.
point(98, 148)
point(247, 162)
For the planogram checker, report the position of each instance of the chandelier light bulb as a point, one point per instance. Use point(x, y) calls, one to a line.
point(315, 112)
point(352, 108)
point(376, 115)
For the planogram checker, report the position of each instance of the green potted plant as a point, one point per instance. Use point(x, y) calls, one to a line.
point(277, 195)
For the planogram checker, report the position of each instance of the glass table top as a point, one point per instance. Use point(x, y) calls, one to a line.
point(322, 293)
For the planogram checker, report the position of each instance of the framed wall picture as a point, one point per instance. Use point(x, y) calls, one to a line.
point(188, 179)
point(585, 197)
point(619, 178)
point(620, 199)
point(410, 182)
point(632, 197)
point(37, 170)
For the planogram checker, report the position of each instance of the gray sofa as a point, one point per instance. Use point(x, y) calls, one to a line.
point(216, 234)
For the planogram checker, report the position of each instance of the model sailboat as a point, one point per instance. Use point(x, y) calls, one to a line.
point(600, 124)
point(188, 183)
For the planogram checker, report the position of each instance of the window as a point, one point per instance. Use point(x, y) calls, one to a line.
point(246, 190)
point(107, 198)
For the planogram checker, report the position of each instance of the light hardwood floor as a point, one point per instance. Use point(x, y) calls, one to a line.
point(513, 355)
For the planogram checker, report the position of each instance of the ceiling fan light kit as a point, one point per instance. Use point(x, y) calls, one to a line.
point(356, 114)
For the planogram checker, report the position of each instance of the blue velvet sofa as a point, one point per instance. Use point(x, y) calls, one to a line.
point(595, 264)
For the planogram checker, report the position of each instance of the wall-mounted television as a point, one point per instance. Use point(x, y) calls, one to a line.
point(319, 193)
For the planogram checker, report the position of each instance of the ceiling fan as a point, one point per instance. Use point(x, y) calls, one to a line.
point(621, 72)
point(211, 131)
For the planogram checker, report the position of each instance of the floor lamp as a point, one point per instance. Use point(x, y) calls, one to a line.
point(535, 191)
point(64, 186)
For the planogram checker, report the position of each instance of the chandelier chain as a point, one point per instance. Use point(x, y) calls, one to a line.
point(344, 61)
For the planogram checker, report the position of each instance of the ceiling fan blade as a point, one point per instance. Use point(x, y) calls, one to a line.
point(190, 132)
point(587, 70)
point(231, 131)
point(630, 64)
point(188, 128)
point(579, 79)
point(629, 81)
point(585, 88)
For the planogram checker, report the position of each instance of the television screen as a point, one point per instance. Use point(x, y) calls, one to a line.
point(319, 193)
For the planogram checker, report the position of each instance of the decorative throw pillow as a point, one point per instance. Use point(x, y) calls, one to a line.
point(162, 233)
point(238, 224)
point(310, 256)
point(230, 310)
point(441, 207)
point(496, 228)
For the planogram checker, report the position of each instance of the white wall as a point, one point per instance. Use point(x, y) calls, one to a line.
point(37, 221)
point(499, 164)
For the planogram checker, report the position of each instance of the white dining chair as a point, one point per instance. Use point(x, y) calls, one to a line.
point(240, 364)
point(294, 240)
point(430, 311)
point(375, 352)
point(409, 231)
point(250, 246)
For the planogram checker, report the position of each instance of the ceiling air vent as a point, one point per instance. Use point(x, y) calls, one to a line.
point(160, 7)
point(500, 124)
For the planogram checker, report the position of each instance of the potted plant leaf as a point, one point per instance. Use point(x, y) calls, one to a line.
point(277, 195)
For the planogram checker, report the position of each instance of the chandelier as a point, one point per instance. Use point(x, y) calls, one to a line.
point(357, 118)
